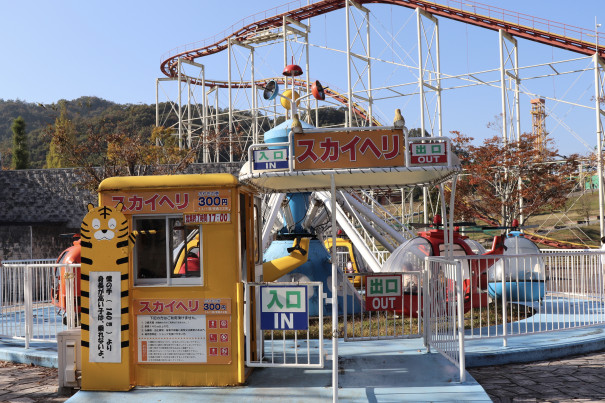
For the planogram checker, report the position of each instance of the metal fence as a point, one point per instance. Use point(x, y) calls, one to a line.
point(31, 299)
point(285, 348)
point(443, 309)
point(391, 317)
point(531, 293)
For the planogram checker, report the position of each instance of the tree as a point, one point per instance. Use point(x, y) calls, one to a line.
point(65, 129)
point(20, 147)
point(498, 175)
point(108, 150)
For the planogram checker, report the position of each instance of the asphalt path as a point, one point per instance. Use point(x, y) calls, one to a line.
point(573, 379)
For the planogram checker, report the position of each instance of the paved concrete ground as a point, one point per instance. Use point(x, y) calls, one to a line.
point(579, 378)
point(573, 379)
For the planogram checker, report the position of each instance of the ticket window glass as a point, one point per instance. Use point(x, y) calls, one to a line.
point(167, 252)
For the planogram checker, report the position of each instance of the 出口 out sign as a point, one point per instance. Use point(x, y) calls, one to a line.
point(349, 149)
point(383, 292)
point(428, 153)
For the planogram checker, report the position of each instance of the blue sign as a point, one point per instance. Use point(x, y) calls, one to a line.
point(284, 308)
point(276, 158)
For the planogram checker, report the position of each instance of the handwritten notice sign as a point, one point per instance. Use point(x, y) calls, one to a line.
point(105, 317)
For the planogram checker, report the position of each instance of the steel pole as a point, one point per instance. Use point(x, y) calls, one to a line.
point(334, 295)
point(599, 141)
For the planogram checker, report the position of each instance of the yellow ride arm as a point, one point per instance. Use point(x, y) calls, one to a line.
point(278, 267)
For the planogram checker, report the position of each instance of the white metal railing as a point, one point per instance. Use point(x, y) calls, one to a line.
point(30, 299)
point(284, 348)
point(443, 309)
point(531, 293)
point(389, 318)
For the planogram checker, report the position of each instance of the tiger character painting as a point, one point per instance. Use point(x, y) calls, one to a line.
point(106, 242)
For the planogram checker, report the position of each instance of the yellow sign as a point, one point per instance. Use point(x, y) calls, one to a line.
point(350, 149)
point(105, 242)
point(170, 201)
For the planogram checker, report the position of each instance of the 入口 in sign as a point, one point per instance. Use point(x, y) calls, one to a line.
point(284, 308)
point(276, 158)
point(383, 293)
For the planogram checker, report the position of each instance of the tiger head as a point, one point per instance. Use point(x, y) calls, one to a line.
point(103, 223)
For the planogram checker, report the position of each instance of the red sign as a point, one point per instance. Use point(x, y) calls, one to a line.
point(383, 292)
point(428, 153)
point(349, 149)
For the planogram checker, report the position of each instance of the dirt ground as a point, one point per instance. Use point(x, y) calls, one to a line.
point(25, 383)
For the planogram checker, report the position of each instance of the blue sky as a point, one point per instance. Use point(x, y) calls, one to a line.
point(110, 49)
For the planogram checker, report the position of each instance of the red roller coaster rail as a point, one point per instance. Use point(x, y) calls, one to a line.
point(579, 40)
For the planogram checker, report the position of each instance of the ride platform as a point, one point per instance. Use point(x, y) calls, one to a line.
point(357, 158)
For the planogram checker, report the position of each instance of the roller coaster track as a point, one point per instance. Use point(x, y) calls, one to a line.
point(520, 25)
point(560, 35)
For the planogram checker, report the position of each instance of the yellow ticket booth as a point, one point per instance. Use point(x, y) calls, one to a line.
point(181, 304)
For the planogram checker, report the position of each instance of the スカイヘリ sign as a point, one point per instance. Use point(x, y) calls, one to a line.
point(167, 201)
point(349, 149)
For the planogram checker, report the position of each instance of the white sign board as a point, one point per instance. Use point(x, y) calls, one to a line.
point(171, 338)
point(105, 316)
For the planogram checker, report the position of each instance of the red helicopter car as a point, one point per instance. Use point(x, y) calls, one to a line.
point(409, 257)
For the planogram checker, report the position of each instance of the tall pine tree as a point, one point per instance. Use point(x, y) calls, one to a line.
point(20, 147)
point(64, 132)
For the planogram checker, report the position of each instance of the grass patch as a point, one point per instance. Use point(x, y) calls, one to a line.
point(386, 324)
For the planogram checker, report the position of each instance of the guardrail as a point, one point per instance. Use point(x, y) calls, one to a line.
point(444, 310)
point(387, 311)
point(283, 348)
point(535, 293)
point(29, 295)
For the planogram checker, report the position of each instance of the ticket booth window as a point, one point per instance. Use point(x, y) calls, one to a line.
point(167, 252)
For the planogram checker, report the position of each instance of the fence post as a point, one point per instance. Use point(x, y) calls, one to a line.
point(29, 321)
point(460, 299)
point(426, 305)
point(345, 294)
point(70, 310)
point(504, 291)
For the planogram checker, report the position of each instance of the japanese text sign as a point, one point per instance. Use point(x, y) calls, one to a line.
point(207, 218)
point(166, 201)
point(284, 308)
point(383, 292)
point(274, 158)
point(354, 149)
point(184, 330)
point(428, 153)
point(105, 316)
point(181, 306)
